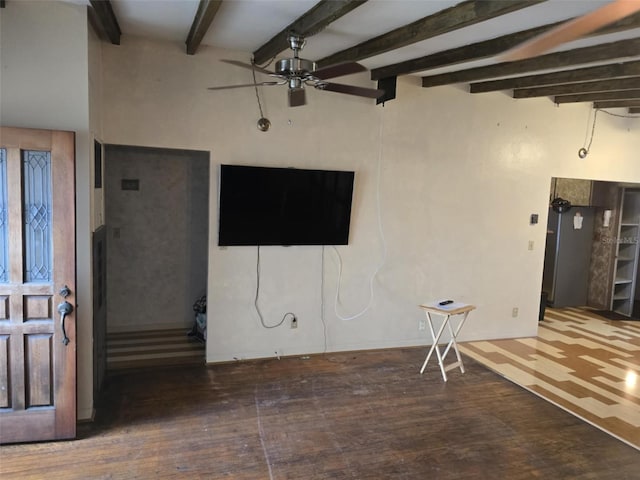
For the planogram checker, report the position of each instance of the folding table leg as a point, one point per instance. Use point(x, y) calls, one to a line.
point(455, 340)
point(436, 339)
point(454, 335)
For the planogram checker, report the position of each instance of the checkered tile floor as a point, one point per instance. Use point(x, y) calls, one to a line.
point(582, 362)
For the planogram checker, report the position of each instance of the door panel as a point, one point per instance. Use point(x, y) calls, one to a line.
point(37, 259)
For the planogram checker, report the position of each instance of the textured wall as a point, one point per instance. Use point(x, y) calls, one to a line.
point(577, 191)
point(603, 251)
point(460, 176)
point(157, 248)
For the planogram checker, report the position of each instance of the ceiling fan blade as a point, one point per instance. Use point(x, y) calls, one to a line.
point(351, 90)
point(338, 70)
point(297, 96)
point(572, 30)
point(261, 84)
point(248, 66)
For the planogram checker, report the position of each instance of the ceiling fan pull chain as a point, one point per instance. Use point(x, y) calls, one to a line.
point(263, 123)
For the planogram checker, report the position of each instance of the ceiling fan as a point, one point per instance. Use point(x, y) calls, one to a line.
point(572, 29)
point(296, 73)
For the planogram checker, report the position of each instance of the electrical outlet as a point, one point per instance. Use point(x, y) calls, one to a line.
point(530, 244)
point(294, 322)
point(514, 312)
point(422, 324)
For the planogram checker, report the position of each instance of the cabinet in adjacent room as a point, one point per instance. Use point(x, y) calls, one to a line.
point(627, 249)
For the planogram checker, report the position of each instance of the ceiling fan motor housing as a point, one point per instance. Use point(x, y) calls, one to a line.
point(295, 67)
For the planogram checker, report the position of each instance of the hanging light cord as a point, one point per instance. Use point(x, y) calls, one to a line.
point(593, 129)
point(255, 83)
point(255, 86)
point(618, 115)
point(584, 151)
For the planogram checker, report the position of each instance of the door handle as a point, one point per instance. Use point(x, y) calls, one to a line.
point(64, 309)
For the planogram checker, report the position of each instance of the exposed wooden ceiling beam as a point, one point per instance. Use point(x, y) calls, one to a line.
point(634, 110)
point(453, 56)
point(617, 104)
point(598, 96)
point(96, 26)
point(314, 20)
point(580, 87)
point(488, 48)
point(614, 70)
point(462, 15)
point(602, 52)
point(205, 14)
point(106, 17)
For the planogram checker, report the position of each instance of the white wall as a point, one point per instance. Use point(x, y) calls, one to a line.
point(44, 84)
point(461, 175)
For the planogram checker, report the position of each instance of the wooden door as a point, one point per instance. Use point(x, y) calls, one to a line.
point(37, 259)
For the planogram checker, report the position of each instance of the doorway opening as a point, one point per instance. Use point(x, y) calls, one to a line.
point(157, 221)
point(592, 250)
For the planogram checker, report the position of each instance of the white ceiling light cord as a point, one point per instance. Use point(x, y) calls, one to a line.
point(382, 239)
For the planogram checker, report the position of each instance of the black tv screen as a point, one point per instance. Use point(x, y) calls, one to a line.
point(284, 206)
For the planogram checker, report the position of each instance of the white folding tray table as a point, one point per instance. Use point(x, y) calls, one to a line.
point(453, 310)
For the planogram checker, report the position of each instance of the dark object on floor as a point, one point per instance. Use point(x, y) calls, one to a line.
point(199, 330)
point(609, 315)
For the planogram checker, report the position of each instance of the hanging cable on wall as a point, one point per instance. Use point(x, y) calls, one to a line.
point(322, 316)
point(382, 240)
point(255, 301)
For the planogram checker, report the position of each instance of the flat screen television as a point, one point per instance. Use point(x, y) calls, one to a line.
point(284, 206)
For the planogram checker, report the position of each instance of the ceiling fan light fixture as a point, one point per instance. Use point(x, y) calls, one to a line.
point(297, 96)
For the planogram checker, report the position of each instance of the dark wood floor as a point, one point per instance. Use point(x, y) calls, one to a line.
point(366, 415)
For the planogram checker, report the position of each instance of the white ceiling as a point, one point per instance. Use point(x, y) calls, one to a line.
point(245, 25)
